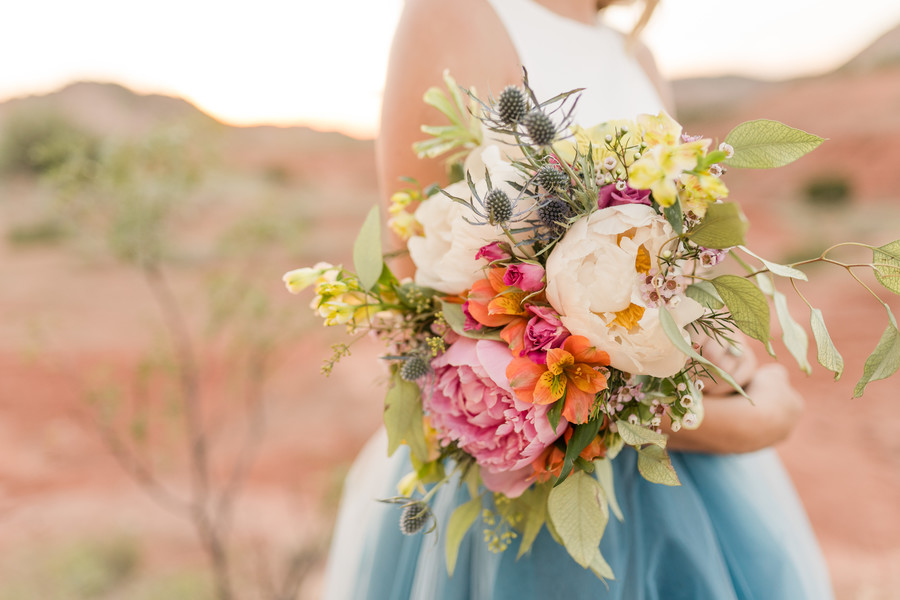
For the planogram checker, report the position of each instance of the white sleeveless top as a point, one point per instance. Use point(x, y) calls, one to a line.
point(580, 56)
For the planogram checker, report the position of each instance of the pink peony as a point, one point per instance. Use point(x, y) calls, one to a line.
point(527, 277)
point(543, 332)
point(472, 404)
point(610, 196)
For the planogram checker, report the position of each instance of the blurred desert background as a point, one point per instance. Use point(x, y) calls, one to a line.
point(160, 395)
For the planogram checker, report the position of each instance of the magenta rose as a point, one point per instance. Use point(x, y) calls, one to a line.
point(543, 332)
point(491, 252)
point(472, 404)
point(610, 196)
point(527, 277)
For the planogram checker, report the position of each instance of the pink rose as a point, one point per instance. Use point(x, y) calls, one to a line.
point(543, 332)
point(610, 196)
point(472, 404)
point(492, 252)
point(527, 277)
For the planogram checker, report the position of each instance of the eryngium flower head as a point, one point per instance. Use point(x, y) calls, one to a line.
point(539, 128)
point(414, 368)
point(554, 214)
point(498, 206)
point(511, 106)
point(414, 517)
point(551, 178)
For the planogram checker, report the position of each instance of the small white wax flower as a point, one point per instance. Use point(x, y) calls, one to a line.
point(609, 163)
point(608, 178)
point(608, 138)
point(655, 422)
point(620, 185)
point(727, 149)
point(687, 400)
point(681, 387)
point(637, 156)
point(699, 385)
point(689, 420)
point(667, 254)
point(633, 419)
point(676, 426)
point(716, 170)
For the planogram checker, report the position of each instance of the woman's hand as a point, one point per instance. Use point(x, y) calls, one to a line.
point(731, 424)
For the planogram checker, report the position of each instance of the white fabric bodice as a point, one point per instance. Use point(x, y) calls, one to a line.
point(561, 54)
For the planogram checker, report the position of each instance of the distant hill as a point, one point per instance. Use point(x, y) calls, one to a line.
point(883, 52)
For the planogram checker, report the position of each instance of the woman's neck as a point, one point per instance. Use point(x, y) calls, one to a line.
point(584, 11)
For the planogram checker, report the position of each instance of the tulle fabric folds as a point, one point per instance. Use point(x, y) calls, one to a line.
point(734, 529)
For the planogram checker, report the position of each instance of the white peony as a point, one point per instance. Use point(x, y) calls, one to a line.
point(445, 254)
point(592, 280)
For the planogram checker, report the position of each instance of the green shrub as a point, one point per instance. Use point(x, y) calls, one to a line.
point(829, 192)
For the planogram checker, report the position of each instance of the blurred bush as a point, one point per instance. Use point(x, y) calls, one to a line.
point(38, 142)
point(829, 191)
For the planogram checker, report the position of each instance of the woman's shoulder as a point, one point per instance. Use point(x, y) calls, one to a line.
point(464, 36)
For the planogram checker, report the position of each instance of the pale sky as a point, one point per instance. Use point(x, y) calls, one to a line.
point(321, 62)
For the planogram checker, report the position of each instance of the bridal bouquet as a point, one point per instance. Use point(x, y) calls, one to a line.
point(562, 285)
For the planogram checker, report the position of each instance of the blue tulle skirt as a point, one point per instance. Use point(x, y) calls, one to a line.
point(734, 529)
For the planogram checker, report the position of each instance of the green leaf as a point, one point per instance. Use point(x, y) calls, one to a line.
point(555, 412)
point(764, 144)
point(460, 522)
point(456, 319)
point(635, 435)
point(656, 467)
point(673, 332)
point(600, 567)
point(781, 270)
point(581, 436)
point(828, 354)
point(579, 516)
point(367, 258)
point(747, 305)
point(884, 360)
point(675, 217)
point(536, 515)
point(792, 333)
point(723, 226)
point(887, 265)
point(403, 418)
point(705, 293)
point(603, 471)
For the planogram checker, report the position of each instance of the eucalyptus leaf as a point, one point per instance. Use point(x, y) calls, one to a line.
point(747, 305)
point(403, 418)
point(887, 265)
point(884, 360)
point(600, 567)
point(723, 226)
point(367, 259)
point(675, 217)
point(792, 333)
point(635, 435)
point(535, 516)
point(828, 354)
point(603, 471)
point(782, 270)
point(579, 515)
point(673, 332)
point(456, 319)
point(655, 466)
point(705, 293)
point(460, 522)
point(765, 144)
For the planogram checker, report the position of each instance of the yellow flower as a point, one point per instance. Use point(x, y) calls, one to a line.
point(701, 190)
point(595, 138)
point(404, 225)
point(661, 167)
point(660, 129)
point(299, 279)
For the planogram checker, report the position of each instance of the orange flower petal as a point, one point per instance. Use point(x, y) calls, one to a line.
point(586, 379)
point(495, 277)
point(558, 359)
point(514, 335)
point(580, 348)
point(577, 408)
point(523, 375)
point(549, 388)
